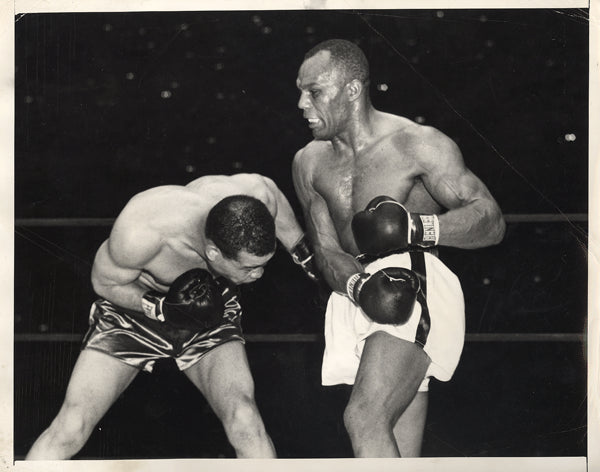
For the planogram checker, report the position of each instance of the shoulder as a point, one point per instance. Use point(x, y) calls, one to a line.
point(426, 145)
point(307, 158)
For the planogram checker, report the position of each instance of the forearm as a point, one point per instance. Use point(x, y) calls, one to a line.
point(127, 296)
point(475, 225)
point(336, 267)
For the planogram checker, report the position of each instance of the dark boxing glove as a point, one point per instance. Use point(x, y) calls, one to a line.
point(388, 296)
point(385, 226)
point(193, 302)
point(302, 255)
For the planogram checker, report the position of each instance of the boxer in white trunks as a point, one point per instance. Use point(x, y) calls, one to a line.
point(379, 193)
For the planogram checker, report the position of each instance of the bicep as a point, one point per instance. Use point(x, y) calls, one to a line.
point(448, 180)
point(121, 258)
point(316, 212)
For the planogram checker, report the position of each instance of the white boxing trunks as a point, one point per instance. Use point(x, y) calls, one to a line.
point(437, 322)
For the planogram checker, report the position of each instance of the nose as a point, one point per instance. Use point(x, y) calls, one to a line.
point(303, 101)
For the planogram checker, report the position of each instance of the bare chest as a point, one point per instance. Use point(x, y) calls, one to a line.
point(349, 183)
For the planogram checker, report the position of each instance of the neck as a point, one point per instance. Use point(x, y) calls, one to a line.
point(358, 131)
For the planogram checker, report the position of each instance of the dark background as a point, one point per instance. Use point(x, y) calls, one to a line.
point(108, 104)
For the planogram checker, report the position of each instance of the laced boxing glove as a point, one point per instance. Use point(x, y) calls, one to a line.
point(388, 296)
point(302, 255)
point(193, 302)
point(385, 226)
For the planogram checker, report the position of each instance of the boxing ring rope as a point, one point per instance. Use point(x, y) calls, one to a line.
point(509, 218)
point(313, 337)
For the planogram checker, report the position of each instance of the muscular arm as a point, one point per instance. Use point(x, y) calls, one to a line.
point(335, 264)
point(287, 228)
point(473, 219)
point(118, 265)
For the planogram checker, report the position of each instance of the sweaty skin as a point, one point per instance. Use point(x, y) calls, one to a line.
point(158, 236)
point(146, 251)
point(359, 153)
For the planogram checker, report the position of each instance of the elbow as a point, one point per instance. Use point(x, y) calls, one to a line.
point(497, 227)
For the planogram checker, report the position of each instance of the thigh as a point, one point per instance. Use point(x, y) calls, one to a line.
point(389, 375)
point(223, 376)
point(96, 382)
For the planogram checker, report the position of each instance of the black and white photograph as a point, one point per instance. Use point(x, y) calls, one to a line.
point(303, 233)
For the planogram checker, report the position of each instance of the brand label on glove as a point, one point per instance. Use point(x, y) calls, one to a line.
point(430, 228)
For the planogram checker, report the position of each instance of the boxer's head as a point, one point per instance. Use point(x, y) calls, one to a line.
point(240, 233)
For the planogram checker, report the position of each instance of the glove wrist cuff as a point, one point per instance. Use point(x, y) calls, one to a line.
point(425, 230)
point(301, 252)
point(354, 284)
point(152, 305)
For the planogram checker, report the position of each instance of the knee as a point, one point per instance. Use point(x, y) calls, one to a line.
point(243, 424)
point(363, 419)
point(71, 426)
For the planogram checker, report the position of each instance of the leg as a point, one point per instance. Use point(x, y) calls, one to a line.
point(96, 382)
point(408, 431)
point(223, 376)
point(389, 375)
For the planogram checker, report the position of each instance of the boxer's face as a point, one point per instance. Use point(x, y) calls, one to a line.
point(244, 269)
point(322, 96)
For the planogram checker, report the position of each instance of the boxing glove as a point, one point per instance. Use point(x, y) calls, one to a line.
point(193, 302)
point(388, 296)
point(302, 255)
point(385, 226)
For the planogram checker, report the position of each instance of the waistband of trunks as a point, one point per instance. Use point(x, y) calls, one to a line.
point(368, 258)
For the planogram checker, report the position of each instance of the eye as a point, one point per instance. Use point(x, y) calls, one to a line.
point(315, 93)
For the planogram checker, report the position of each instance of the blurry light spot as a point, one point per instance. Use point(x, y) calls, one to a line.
point(256, 19)
point(411, 41)
point(382, 87)
point(483, 18)
point(310, 29)
point(550, 62)
point(570, 137)
point(490, 43)
point(439, 14)
point(221, 49)
point(107, 27)
point(190, 168)
point(28, 99)
point(184, 26)
point(537, 279)
point(43, 327)
point(219, 66)
point(237, 164)
point(267, 30)
point(165, 94)
point(420, 119)
point(486, 281)
point(479, 56)
point(174, 85)
point(129, 75)
point(189, 54)
point(211, 140)
point(414, 59)
point(220, 96)
point(151, 44)
point(142, 31)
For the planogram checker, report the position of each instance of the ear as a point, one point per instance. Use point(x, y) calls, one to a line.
point(354, 89)
point(212, 251)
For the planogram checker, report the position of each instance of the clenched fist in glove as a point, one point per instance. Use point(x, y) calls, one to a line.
point(385, 226)
point(388, 296)
point(193, 302)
